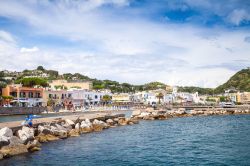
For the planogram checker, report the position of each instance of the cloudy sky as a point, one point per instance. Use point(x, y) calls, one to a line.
point(178, 42)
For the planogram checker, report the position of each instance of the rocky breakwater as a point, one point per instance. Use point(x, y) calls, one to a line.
point(29, 139)
point(150, 114)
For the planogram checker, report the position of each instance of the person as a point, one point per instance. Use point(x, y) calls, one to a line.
point(28, 121)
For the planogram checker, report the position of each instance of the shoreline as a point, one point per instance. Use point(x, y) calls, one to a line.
point(16, 139)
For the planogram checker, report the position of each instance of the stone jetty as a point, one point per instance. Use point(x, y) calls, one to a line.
point(150, 114)
point(16, 139)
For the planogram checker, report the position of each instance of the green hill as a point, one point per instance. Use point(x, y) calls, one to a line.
point(240, 81)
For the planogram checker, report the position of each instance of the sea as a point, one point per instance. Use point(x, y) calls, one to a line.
point(199, 140)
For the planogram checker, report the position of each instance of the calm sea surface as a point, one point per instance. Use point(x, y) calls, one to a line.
point(213, 140)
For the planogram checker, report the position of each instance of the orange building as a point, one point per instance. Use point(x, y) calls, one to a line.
point(24, 96)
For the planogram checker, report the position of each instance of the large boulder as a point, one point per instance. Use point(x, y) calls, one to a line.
point(14, 141)
point(69, 122)
point(99, 125)
point(122, 121)
point(7, 132)
point(14, 148)
point(143, 114)
point(86, 126)
point(110, 122)
point(46, 138)
point(59, 131)
point(77, 126)
point(26, 134)
point(33, 146)
point(74, 133)
point(4, 141)
point(44, 129)
point(148, 117)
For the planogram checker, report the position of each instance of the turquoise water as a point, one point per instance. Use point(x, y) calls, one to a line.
point(213, 140)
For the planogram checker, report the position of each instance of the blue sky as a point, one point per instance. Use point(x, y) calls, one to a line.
point(181, 42)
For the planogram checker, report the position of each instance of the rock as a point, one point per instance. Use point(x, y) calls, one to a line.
point(77, 126)
point(44, 129)
point(33, 144)
point(148, 117)
point(116, 120)
point(26, 134)
point(1, 156)
point(4, 141)
point(7, 132)
point(69, 122)
point(86, 126)
point(110, 122)
point(34, 149)
point(59, 131)
point(122, 121)
point(134, 120)
point(45, 138)
point(14, 141)
point(74, 133)
point(98, 125)
point(143, 114)
point(11, 150)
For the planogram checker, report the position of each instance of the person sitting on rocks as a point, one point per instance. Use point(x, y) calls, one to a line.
point(28, 121)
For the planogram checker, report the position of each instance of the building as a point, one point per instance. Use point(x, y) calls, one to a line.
point(243, 97)
point(24, 96)
point(123, 98)
point(82, 97)
point(57, 96)
point(72, 84)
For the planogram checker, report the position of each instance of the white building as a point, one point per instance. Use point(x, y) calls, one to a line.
point(82, 97)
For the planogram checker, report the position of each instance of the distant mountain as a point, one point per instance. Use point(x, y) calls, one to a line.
point(239, 81)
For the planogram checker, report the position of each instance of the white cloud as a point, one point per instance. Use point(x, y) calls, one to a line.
point(238, 16)
point(33, 49)
point(131, 50)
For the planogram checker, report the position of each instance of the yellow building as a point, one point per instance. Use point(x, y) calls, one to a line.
point(122, 97)
point(169, 89)
point(81, 85)
point(243, 97)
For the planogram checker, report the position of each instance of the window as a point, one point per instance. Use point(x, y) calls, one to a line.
point(14, 94)
point(37, 95)
point(22, 94)
point(50, 96)
point(96, 97)
point(30, 94)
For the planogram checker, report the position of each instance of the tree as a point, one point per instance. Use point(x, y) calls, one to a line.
point(159, 96)
point(7, 99)
point(32, 81)
point(40, 68)
point(106, 99)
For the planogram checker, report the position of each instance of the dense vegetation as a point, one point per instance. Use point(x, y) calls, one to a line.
point(193, 89)
point(32, 81)
point(239, 81)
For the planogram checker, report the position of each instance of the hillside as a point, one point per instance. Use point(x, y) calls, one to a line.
point(239, 81)
point(40, 76)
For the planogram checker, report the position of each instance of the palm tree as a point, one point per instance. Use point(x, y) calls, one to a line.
point(159, 96)
point(106, 99)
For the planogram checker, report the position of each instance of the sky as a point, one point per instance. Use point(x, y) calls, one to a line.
point(178, 42)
